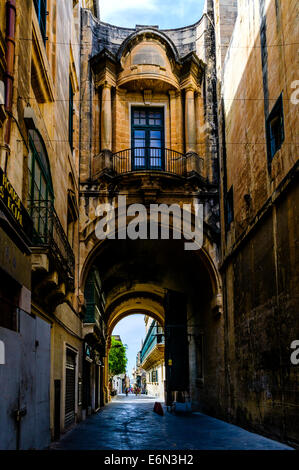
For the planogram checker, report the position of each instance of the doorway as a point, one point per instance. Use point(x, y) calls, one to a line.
point(70, 390)
point(147, 130)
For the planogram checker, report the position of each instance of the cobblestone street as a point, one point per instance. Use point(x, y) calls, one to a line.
point(129, 423)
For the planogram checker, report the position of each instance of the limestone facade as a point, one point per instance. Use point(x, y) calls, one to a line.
point(206, 114)
point(257, 76)
point(40, 64)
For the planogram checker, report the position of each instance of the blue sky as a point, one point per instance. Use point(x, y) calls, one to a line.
point(131, 330)
point(164, 13)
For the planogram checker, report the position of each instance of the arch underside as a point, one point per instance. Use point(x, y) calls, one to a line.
point(136, 276)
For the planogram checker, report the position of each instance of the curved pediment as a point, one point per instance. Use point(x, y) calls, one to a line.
point(148, 34)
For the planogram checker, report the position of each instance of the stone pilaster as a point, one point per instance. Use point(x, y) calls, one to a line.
point(106, 118)
point(190, 127)
point(173, 119)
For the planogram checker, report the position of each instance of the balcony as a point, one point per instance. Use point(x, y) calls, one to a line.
point(94, 327)
point(147, 159)
point(53, 261)
point(153, 346)
point(93, 323)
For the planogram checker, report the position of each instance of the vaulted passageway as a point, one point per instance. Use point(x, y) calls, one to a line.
point(179, 290)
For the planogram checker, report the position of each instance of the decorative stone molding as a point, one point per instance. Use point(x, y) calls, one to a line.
point(217, 305)
point(100, 163)
point(104, 68)
point(147, 97)
point(40, 262)
point(194, 163)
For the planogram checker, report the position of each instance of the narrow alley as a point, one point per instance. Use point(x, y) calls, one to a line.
point(149, 227)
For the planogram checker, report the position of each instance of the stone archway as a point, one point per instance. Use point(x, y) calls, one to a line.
point(137, 275)
point(126, 305)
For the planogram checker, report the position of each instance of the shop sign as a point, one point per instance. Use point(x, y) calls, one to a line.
point(13, 261)
point(14, 206)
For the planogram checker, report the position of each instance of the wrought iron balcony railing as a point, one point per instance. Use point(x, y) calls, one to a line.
point(48, 232)
point(149, 159)
point(154, 336)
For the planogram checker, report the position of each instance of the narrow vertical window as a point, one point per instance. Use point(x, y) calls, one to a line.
point(275, 129)
point(40, 189)
point(229, 207)
point(71, 114)
point(41, 12)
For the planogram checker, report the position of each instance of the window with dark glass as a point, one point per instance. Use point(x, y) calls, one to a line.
point(72, 217)
point(154, 376)
point(147, 139)
point(160, 335)
point(41, 11)
point(71, 115)
point(40, 189)
point(70, 228)
point(229, 207)
point(275, 128)
point(10, 292)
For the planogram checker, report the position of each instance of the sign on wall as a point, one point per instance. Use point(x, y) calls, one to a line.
point(13, 205)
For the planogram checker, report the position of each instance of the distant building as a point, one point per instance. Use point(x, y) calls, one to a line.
point(118, 383)
point(126, 382)
point(152, 359)
point(139, 375)
point(116, 337)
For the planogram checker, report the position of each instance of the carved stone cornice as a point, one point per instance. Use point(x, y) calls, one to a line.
point(104, 67)
point(192, 71)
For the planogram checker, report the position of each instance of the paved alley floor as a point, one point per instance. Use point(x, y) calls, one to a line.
point(129, 423)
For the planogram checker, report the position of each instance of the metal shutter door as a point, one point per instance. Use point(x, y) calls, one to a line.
point(70, 377)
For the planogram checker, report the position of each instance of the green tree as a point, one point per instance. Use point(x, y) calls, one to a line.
point(117, 358)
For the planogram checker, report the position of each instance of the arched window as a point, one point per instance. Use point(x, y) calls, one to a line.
point(41, 195)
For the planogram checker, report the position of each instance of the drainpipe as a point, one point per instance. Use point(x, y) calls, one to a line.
point(9, 73)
